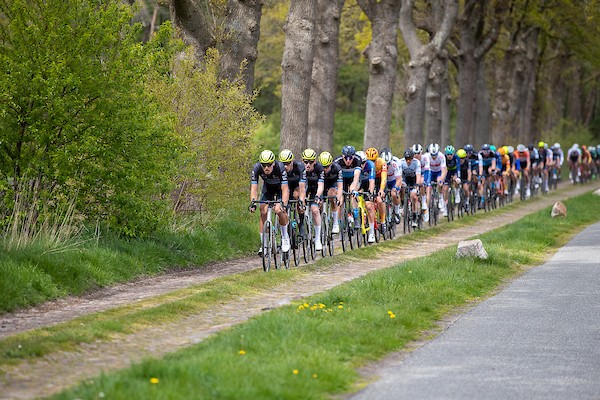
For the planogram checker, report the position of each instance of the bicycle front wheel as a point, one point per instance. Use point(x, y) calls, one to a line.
point(266, 246)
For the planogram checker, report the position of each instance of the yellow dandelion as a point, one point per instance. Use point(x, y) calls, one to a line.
point(390, 312)
point(313, 308)
point(295, 372)
point(241, 352)
point(392, 316)
point(314, 376)
point(410, 272)
point(340, 306)
point(305, 305)
point(153, 380)
point(301, 308)
point(321, 305)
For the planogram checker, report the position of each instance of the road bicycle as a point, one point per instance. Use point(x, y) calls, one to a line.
point(408, 215)
point(297, 242)
point(389, 215)
point(327, 237)
point(364, 228)
point(271, 239)
point(348, 235)
point(434, 209)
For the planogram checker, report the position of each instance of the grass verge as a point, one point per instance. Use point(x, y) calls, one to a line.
point(312, 349)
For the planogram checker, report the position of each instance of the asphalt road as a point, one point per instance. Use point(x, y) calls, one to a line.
point(539, 338)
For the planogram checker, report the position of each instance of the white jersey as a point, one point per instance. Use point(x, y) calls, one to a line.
point(436, 164)
point(424, 161)
point(394, 170)
point(573, 151)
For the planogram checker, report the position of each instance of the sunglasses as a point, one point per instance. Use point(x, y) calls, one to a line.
point(266, 165)
point(287, 163)
point(309, 161)
point(348, 157)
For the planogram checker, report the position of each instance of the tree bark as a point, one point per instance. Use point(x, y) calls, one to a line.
point(382, 54)
point(434, 100)
point(242, 31)
point(421, 59)
point(194, 19)
point(473, 43)
point(297, 67)
point(324, 76)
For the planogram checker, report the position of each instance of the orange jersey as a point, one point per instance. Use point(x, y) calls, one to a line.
point(505, 160)
point(380, 167)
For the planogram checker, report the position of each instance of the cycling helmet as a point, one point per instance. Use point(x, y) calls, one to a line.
point(557, 145)
point(409, 153)
point(386, 154)
point(325, 158)
point(530, 147)
point(485, 147)
point(510, 149)
point(309, 154)
point(434, 148)
point(521, 148)
point(417, 149)
point(461, 153)
point(541, 144)
point(575, 146)
point(286, 156)
point(469, 148)
point(372, 153)
point(266, 157)
point(492, 147)
point(348, 151)
point(449, 150)
point(592, 149)
point(361, 154)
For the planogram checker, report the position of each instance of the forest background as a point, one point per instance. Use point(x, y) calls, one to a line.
point(139, 120)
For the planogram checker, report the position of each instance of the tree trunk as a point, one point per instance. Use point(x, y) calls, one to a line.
point(297, 67)
point(242, 31)
point(194, 19)
point(324, 76)
point(435, 98)
point(483, 110)
point(421, 58)
point(382, 54)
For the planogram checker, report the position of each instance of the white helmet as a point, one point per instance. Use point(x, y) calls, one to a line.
point(434, 148)
point(417, 148)
point(521, 147)
point(361, 154)
point(575, 146)
point(557, 145)
point(386, 154)
point(511, 149)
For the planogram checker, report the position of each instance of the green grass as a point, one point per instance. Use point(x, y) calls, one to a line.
point(36, 274)
point(326, 345)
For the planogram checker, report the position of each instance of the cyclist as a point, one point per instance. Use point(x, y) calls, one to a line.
point(594, 161)
point(350, 164)
point(315, 177)
point(515, 166)
point(452, 180)
point(574, 156)
point(367, 184)
point(394, 179)
point(464, 175)
point(504, 172)
point(275, 187)
point(381, 170)
point(411, 176)
point(561, 155)
point(296, 174)
point(333, 184)
point(534, 156)
point(487, 168)
point(546, 162)
point(437, 166)
point(522, 155)
point(558, 159)
point(586, 159)
point(424, 177)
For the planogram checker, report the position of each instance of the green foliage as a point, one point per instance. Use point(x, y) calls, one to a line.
point(215, 121)
point(75, 118)
point(568, 132)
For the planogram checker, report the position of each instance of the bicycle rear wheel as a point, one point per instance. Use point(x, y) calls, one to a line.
point(294, 239)
point(276, 243)
point(324, 233)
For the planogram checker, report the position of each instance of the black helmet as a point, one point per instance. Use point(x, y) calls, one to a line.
point(348, 150)
point(530, 147)
point(485, 147)
point(408, 153)
point(468, 148)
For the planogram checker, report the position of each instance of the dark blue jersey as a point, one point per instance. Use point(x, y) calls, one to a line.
point(274, 180)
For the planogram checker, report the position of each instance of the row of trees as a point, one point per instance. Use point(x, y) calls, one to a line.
point(498, 70)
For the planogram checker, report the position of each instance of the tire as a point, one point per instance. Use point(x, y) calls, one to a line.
point(324, 233)
point(276, 244)
point(294, 233)
point(343, 231)
point(266, 246)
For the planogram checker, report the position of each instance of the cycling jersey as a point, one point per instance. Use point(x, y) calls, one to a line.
point(545, 156)
point(425, 161)
point(437, 163)
point(394, 170)
point(296, 175)
point(473, 160)
point(523, 157)
point(271, 183)
point(333, 177)
point(505, 163)
point(368, 171)
point(313, 178)
point(487, 160)
point(410, 171)
point(348, 170)
point(452, 164)
point(464, 169)
point(574, 154)
point(534, 156)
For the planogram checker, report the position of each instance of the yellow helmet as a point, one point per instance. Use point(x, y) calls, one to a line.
point(372, 153)
point(325, 158)
point(286, 156)
point(541, 144)
point(266, 157)
point(309, 154)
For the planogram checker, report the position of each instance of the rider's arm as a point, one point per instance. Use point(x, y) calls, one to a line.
point(285, 193)
point(355, 182)
point(480, 164)
point(253, 191)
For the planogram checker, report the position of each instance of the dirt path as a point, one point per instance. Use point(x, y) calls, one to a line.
point(63, 369)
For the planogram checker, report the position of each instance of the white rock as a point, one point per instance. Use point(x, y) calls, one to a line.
point(473, 248)
point(597, 192)
point(558, 209)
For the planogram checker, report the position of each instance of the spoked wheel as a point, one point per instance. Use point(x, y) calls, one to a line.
point(324, 233)
point(344, 233)
point(266, 246)
point(294, 239)
point(330, 242)
point(276, 244)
